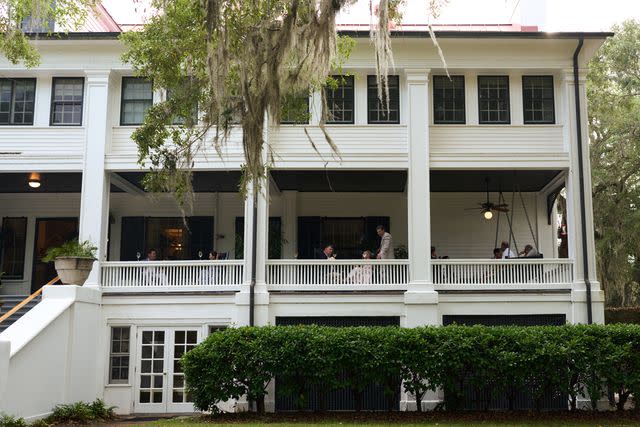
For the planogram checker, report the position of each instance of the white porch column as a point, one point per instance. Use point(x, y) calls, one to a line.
point(575, 208)
point(289, 224)
point(94, 199)
point(421, 299)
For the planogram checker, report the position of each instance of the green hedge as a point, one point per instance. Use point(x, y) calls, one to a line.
point(575, 360)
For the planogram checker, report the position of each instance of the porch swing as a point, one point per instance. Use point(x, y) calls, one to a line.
point(509, 216)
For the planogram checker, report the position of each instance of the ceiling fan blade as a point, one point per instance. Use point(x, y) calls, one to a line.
point(501, 209)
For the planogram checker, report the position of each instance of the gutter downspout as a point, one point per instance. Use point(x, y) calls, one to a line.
point(254, 252)
point(585, 251)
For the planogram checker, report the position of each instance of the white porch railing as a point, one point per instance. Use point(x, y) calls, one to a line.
point(173, 275)
point(307, 273)
point(502, 272)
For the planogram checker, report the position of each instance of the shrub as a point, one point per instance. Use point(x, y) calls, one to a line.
point(80, 412)
point(571, 360)
point(9, 421)
point(72, 248)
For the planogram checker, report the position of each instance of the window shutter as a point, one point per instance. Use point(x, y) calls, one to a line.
point(201, 230)
point(132, 238)
point(308, 236)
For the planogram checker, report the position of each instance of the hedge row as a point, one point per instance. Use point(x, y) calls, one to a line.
point(571, 360)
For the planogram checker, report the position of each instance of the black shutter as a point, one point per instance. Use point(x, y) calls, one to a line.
point(308, 236)
point(275, 237)
point(201, 228)
point(132, 238)
point(371, 240)
point(239, 245)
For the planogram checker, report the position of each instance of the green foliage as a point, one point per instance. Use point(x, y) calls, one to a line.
point(72, 248)
point(81, 412)
point(575, 360)
point(9, 421)
point(244, 61)
point(15, 45)
point(613, 91)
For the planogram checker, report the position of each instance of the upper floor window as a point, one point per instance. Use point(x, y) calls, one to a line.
point(66, 101)
point(137, 97)
point(448, 100)
point(377, 111)
point(340, 100)
point(295, 109)
point(538, 101)
point(17, 101)
point(493, 99)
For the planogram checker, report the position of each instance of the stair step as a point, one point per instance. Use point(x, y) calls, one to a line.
point(7, 302)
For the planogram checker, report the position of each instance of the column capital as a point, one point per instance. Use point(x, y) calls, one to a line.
point(417, 75)
point(97, 77)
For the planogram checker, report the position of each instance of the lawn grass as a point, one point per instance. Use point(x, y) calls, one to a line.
point(410, 419)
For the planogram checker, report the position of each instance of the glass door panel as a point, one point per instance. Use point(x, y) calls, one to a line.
point(151, 390)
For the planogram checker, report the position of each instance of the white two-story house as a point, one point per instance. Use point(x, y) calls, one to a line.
point(467, 157)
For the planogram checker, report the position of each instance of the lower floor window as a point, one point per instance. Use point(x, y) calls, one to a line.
point(119, 355)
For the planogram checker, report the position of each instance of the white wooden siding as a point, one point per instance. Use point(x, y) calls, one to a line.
point(364, 146)
point(122, 152)
point(50, 148)
point(478, 146)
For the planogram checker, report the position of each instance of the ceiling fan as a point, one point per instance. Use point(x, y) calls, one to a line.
point(487, 208)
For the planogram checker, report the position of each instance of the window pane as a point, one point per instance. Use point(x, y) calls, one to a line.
point(493, 99)
point(340, 100)
point(17, 101)
point(537, 98)
point(377, 111)
point(119, 355)
point(66, 105)
point(137, 98)
point(448, 100)
point(295, 109)
point(13, 238)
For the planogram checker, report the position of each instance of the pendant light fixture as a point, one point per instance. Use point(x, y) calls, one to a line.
point(34, 180)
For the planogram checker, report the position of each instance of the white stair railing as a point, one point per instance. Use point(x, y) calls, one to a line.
point(337, 272)
point(170, 274)
point(502, 272)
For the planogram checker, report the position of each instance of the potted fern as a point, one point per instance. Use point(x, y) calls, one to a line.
point(73, 261)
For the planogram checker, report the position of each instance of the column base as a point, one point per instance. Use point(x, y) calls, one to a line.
point(260, 301)
point(421, 305)
point(579, 303)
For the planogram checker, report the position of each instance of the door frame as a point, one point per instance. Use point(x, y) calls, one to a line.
point(35, 244)
point(167, 406)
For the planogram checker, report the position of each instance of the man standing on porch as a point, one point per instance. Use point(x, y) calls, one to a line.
point(386, 244)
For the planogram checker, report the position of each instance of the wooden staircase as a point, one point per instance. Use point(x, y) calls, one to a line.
point(14, 307)
point(7, 302)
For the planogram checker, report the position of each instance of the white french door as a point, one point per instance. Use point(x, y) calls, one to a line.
point(160, 383)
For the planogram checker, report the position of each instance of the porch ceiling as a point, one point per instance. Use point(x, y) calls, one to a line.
point(395, 181)
point(340, 180)
point(499, 180)
point(63, 182)
point(203, 181)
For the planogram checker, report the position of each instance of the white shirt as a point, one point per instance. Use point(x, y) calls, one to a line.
point(508, 253)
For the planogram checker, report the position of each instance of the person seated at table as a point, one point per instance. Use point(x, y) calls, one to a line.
point(529, 252)
point(434, 255)
point(153, 275)
point(208, 275)
point(326, 253)
point(506, 251)
point(497, 253)
point(363, 273)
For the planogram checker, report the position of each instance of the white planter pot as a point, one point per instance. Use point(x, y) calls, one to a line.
point(73, 270)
